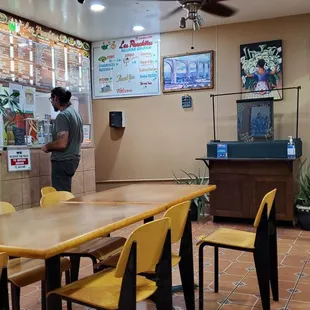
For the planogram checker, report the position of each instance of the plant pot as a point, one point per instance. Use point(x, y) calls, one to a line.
point(194, 212)
point(303, 217)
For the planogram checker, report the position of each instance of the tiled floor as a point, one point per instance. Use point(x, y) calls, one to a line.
point(238, 283)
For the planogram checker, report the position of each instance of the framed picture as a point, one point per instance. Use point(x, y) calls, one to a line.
point(191, 71)
point(262, 69)
point(255, 120)
point(86, 133)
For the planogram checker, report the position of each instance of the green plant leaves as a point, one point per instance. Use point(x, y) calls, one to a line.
point(192, 179)
point(9, 101)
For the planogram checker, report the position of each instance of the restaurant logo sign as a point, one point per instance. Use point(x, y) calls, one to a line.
point(28, 29)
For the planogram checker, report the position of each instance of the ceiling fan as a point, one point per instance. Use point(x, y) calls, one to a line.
point(192, 7)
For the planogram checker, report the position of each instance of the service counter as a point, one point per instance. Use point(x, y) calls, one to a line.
point(22, 189)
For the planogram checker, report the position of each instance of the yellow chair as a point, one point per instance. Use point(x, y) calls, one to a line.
point(4, 294)
point(25, 271)
point(47, 189)
point(262, 243)
point(149, 246)
point(178, 216)
point(6, 208)
point(96, 250)
point(53, 198)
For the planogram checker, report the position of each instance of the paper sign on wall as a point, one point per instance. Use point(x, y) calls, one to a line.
point(19, 160)
point(126, 67)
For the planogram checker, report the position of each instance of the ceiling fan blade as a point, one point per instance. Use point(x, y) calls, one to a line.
point(176, 10)
point(215, 8)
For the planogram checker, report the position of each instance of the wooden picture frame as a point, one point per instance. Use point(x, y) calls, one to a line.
point(196, 73)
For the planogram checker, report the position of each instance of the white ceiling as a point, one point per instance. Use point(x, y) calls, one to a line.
point(120, 16)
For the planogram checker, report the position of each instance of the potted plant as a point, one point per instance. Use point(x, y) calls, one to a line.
point(302, 200)
point(8, 105)
point(199, 204)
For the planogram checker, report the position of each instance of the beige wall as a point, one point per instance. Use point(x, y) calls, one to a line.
point(160, 136)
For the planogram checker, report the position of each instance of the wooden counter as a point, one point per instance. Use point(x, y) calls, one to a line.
point(242, 183)
point(22, 189)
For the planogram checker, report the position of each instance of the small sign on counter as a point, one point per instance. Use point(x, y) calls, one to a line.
point(222, 151)
point(19, 160)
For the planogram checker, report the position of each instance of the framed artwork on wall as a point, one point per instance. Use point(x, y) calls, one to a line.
point(192, 71)
point(262, 69)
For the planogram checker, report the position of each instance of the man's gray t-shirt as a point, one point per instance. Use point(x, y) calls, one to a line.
point(68, 120)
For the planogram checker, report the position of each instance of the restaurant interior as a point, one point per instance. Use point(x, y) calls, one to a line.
point(193, 186)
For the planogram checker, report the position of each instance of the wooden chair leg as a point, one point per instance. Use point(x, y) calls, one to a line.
point(216, 269)
point(4, 291)
point(186, 265)
point(274, 278)
point(43, 295)
point(15, 292)
point(75, 267)
point(68, 281)
point(200, 270)
point(263, 277)
point(164, 278)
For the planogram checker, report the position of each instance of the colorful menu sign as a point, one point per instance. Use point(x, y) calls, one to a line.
point(126, 67)
point(36, 56)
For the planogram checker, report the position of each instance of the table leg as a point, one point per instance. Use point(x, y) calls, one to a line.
point(150, 219)
point(53, 281)
point(4, 293)
point(186, 266)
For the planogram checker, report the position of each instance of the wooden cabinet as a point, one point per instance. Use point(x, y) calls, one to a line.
point(241, 185)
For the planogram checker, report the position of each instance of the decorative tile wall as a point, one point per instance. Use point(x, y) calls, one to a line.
point(23, 189)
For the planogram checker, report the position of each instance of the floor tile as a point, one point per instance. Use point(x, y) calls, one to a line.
point(237, 282)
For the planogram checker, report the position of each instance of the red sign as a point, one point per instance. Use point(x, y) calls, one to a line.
point(19, 162)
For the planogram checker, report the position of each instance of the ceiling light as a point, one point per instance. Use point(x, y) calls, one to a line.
point(97, 7)
point(138, 28)
point(81, 1)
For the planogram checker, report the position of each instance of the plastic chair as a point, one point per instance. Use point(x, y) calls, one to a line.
point(25, 271)
point(121, 287)
point(47, 189)
point(6, 208)
point(262, 243)
point(54, 198)
point(4, 292)
point(96, 250)
point(178, 216)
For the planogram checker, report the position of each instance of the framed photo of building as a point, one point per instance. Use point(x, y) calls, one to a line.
point(262, 69)
point(184, 72)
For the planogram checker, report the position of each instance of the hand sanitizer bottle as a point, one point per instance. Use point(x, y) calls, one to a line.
point(41, 138)
point(291, 151)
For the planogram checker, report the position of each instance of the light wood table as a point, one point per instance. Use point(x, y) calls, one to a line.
point(167, 194)
point(46, 233)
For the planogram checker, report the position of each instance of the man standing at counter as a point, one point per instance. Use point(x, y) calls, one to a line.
point(67, 140)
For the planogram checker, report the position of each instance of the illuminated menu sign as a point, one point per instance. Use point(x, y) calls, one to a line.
point(33, 55)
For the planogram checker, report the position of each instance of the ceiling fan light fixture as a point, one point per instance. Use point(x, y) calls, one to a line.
point(138, 28)
point(97, 7)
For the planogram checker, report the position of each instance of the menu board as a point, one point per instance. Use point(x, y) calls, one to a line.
point(74, 70)
point(33, 55)
point(126, 67)
point(61, 78)
point(5, 66)
point(43, 76)
point(23, 55)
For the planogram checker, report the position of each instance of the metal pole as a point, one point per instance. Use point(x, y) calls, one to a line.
point(213, 107)
point(297, 112)
point(251, 92)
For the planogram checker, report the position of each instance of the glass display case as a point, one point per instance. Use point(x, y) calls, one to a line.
point(38, 131)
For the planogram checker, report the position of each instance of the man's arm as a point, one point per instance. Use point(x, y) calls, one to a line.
point(59, 144)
